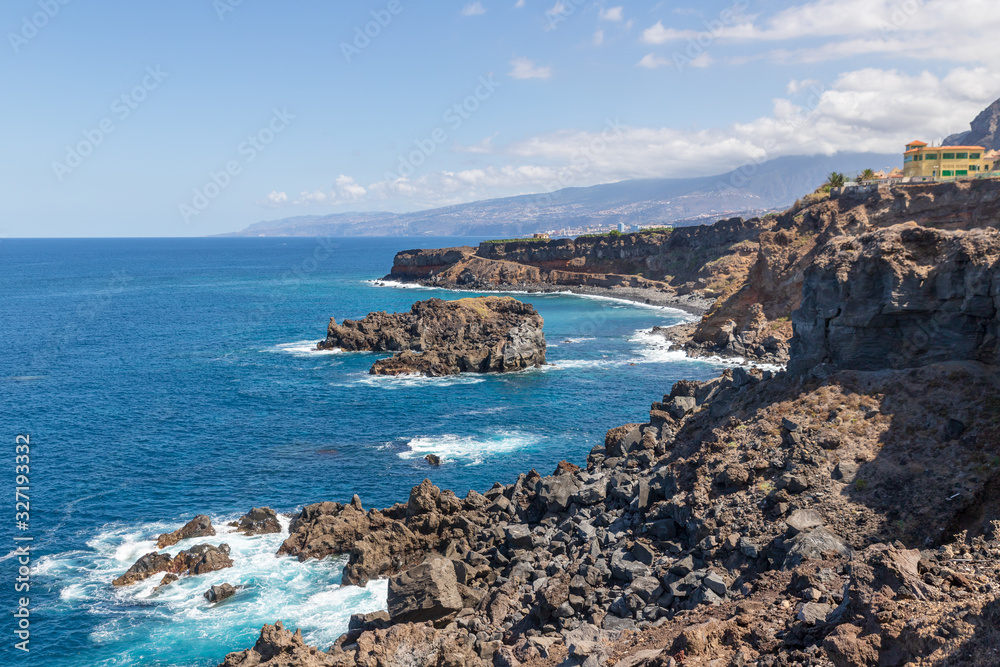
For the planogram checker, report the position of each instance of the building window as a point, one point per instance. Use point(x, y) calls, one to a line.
point(962, 156)
point(948, 156)
point(947, 172)
point(973, 167)
point(974, 156)
point(930, 156)
point(907, 158)
point(961, 172)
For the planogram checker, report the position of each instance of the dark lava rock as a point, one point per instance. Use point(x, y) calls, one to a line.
point(200, 526)
point(220, 592)
point(477, 335)
point(258, 521)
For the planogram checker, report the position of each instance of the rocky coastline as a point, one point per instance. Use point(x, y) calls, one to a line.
point(841, 512)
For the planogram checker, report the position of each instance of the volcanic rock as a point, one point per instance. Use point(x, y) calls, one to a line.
point(479, 335)
point(258, 521)
point(424, 593)
point(200, 526)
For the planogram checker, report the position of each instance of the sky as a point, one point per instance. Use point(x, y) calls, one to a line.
point(198, 117)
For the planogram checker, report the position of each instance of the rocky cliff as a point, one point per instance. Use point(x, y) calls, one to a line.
point(843, 512)
point(901, 297)
point(481, 335)
point(747, 273)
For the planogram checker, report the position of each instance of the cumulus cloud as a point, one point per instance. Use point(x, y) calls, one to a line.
point(525, 68)
point(950, 30)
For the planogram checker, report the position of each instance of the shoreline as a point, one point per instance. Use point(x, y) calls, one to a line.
point(690, 304)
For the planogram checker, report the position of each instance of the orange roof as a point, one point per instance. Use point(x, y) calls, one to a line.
point(949, 148)
point(916, 143)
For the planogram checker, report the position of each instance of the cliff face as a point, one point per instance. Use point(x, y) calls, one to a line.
point(983, 132)
point(683, 261)
point(482, 335)
point(901, 297)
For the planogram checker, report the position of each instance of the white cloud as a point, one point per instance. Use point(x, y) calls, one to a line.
point(525, 68)
point(657, 34)
point(598, 38)
point(949, 30)
point(652, 61)
point(473, 9)
point(519, 4)
point(867, 110)
point(612, 13)
point(347, 190)
point(274, 199)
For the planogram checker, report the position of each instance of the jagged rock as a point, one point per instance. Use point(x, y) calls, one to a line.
point(479, 335)
point(277, 647)
point(433, 459)
point(200, 559)
point(200, 526)
point(812, 613)
point(556, 491)
point(258, 521)
point(424, 593)
point(813, 545)
point(220, 592)
point(803, 521)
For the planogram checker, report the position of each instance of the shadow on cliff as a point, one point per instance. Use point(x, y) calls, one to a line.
point(934, 472)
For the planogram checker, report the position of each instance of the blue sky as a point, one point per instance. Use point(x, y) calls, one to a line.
point(196, 117)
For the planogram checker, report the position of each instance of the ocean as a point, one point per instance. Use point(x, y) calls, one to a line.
point(163, 378)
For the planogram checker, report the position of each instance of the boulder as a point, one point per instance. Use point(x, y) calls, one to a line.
point(803, 521)
point(200, 526)
point(220, 592)
point(258, 521)
point(426, 592)
point(813, 545)
point(556, 490)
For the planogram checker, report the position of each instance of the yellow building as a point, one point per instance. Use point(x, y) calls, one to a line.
point(924, 162)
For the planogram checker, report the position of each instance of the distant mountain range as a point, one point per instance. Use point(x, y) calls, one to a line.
point(771, 185)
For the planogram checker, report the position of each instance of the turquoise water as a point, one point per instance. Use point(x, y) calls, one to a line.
point(160, 379)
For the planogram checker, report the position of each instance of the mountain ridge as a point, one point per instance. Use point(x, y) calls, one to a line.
point(750, 189)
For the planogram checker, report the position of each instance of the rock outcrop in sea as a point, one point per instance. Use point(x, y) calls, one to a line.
point(480, 335)
point(843, 512)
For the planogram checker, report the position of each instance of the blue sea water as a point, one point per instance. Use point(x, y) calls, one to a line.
point(159, 379)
